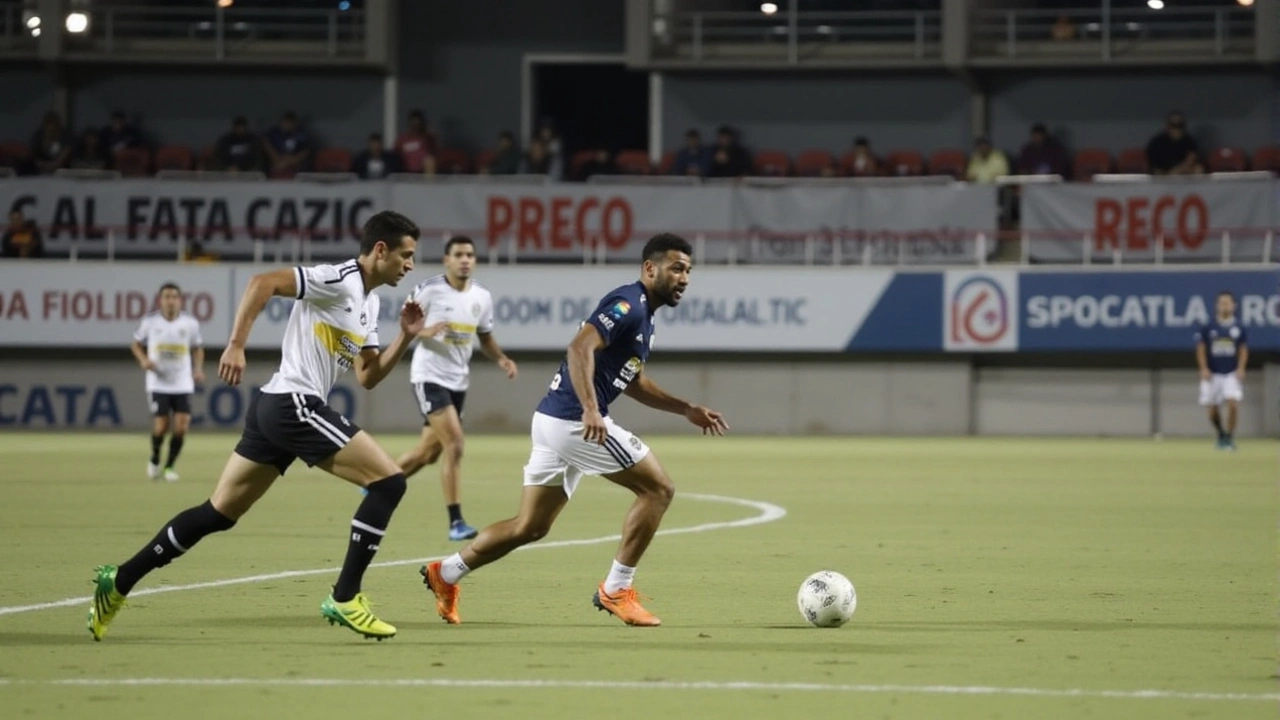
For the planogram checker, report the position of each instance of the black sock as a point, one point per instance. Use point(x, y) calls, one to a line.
point(175, 447)
point(367, 528)
point(1217, 423)
point(455, 513)
point(156, 442)
point(177, 536)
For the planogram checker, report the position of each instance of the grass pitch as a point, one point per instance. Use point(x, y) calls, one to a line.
point(996, 579)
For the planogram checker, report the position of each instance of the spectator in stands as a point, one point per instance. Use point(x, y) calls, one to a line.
point(376, 162)
point(601, 163)
point(417, 146)
point(550, 138)
point(729, 159)
point(240, 150)
point(89, 153)
point(695, 158)
point(22, 238)
point(288, 146)
point(506, 156)
point(987, 163)
point(536, 159)
point(118, 135)
point(50, 146)
point(1043, 154)
point(1063, 28)
point(864, 163)
point(1173, 151)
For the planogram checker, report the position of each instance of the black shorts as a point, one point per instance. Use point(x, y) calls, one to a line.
point(282, 427)
point(434, 398)
point(164, 403)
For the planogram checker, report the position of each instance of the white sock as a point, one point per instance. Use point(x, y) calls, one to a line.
point(620, 577)
point(452, 569)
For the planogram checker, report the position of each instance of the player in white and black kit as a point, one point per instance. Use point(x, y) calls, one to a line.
point(333, 327)
point(574, 435)
point(167, 344)
point(459, 311)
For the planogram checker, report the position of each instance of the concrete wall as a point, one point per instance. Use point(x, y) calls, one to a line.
point(758, 397)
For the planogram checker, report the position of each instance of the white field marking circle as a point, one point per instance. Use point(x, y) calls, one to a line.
point(767, 512)
point(655, 685)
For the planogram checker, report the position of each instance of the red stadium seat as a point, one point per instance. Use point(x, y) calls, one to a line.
point(949, 162)
point(133, 162)
point(208, 158)
point(1090, 162)
point(1226, 160)
point(1132, 160)
point(173, 157)
point(580, 158)
point(484, 159)
point(13, 154)
point(904, 162)
point(333, 160)
point(452, 161)
point(1267, 158)
point(633, 162)
point(668, 161)
point(811, 163)
point(771, 163)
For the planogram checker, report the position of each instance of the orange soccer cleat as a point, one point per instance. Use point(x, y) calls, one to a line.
point(446, 593)
point(625, 605)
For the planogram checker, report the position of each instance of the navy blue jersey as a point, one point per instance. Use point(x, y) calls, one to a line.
point(625, 321)
point(1222, 342)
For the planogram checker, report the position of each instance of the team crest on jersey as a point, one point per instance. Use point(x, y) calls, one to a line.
point(364, 318)
point(1234, 332)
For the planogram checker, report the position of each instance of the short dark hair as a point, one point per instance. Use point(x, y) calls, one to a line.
point(1228, 293)
point(171, 286)
point(387, 227)
point(458, 240)
point(663, 243)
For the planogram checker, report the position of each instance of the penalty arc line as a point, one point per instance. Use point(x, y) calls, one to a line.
point(653, 685)
point(767, 512)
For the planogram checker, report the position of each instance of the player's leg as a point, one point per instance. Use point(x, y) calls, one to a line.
point(159, 404)
point(448, 428)
point(654, 492)
point(1209, 398)
point(242, 483)
point(1232, 394)
point(425, 453)
point(540, 505)
point(181, 423)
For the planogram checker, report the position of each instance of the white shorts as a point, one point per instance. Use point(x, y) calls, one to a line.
point(1220, 388)
point(560, 457)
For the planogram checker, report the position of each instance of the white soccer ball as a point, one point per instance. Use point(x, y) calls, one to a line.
point(827, 599)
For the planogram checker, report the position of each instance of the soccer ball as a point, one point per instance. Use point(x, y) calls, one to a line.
point(827, 599)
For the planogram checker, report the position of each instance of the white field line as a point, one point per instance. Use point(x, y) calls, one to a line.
point(766, 512)
point(655, 685)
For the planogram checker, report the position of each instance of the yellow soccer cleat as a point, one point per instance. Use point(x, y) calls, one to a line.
point(357, 614)
point(106, 601)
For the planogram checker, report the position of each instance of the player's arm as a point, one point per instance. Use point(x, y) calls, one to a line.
point(1242, 359)
point(372, 365)
point(489, 346)
point(581, 359)
point(197, 364)
point(647, 392)
point(262, 287)
point(140, 354)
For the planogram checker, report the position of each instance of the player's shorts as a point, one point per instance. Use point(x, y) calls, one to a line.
point(164, 403)
point(1220, 388)
point(560, 457)
point(434, 398)
point(281, 427)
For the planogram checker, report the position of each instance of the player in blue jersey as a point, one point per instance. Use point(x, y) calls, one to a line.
point(1222, 352)
point(573, 436)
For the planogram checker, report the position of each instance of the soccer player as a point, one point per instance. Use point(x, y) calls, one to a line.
point(333, 327)
point(442, 365)
point(167, 344)
point(573, 436)
point(1222, 352)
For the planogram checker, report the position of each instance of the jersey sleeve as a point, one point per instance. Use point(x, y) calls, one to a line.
point(140, 335)
point(197, 340)
point(322, 284)
point(1202, 336)
point(485, 326)
point(1243, 340)
point(615, 317)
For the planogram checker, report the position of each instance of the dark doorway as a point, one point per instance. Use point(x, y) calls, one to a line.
point(593, 106)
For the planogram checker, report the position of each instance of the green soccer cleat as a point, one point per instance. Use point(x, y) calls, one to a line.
point(106, 601)
point(357, 614)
